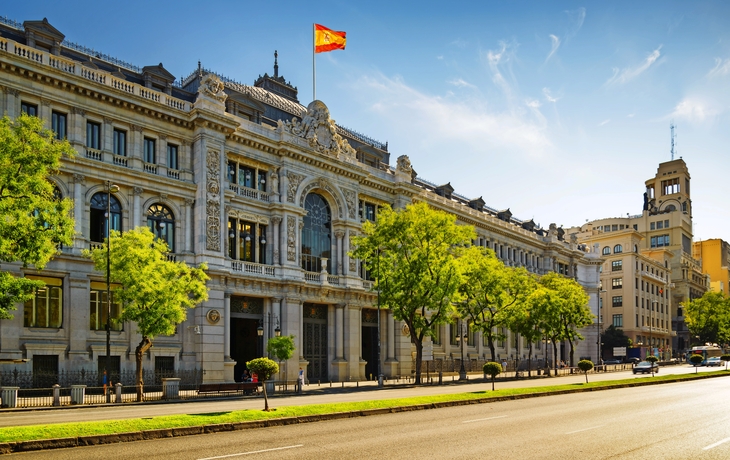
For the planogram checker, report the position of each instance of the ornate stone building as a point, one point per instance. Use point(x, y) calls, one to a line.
point(269, 193)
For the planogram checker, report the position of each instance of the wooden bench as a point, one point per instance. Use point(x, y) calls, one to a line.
point(227, 388)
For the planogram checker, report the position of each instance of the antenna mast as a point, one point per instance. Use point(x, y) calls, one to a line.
point(671, 128)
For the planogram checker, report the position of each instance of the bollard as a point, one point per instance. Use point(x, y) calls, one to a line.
point(9, 396)
point(170, 388)
point(118, 393)
point(56, 395)
point(78, 392)
point(441, 378)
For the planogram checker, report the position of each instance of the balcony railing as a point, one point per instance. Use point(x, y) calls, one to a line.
point(249, 192)
point(254, 268)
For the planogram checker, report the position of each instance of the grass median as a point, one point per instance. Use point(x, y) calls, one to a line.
point(76, 429)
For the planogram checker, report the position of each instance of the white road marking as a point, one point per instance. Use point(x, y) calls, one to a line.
point(711, 446)
point(483, 419)
point(585, 429)
point(253, 452)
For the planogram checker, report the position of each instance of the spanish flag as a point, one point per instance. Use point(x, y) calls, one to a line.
point(327, 40)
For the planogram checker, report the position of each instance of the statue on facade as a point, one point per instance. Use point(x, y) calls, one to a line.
point(212, 87)
point(320, 132)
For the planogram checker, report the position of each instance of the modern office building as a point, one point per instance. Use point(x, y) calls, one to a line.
point(265, 190)
point(714, 257)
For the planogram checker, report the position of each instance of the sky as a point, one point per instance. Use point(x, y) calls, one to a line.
point(559, 110)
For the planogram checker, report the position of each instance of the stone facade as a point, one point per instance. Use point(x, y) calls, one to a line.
point(269, 193)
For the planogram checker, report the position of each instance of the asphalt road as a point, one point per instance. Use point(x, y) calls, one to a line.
point(689, 420)
point(312, 396)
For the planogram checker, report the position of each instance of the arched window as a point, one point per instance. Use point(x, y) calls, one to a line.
point(618, 249)
point(161, 223)
point(606, 251)
point(316, 234)
point(98, 206)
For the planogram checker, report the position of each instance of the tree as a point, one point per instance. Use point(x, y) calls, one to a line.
point(570, 310)
point(652, 359)
point(492, 369)
point(264, 368)
point(489, 290)
point(153, 291)
point(614, 337)
point(35, 220)
point(585, 365)
point(527, 318)
point(411, 253)
point(709, 317)
point(696, 360)
point(282, 347)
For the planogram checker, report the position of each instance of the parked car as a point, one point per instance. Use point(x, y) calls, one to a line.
point(714, 361)
point(612, 361)
point(645, 367)
point(632, 360)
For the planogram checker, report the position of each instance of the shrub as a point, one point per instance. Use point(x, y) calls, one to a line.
point(696, 360)
point(585, 365)
point(264, 368)
point(492, 369)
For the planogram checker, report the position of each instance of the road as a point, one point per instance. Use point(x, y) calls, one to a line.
point(311, 396)
point(689, 420)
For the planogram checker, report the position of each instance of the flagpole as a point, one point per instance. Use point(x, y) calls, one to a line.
point(314, 65)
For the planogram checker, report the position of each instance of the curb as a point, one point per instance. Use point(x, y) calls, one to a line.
point(94, 440)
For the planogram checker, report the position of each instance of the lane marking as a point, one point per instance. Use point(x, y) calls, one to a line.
point(712, 446)
point(585, 429)
point(483, 419)
point(253, 452)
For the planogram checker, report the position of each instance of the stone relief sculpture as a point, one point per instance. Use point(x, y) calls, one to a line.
point(211, 86)
point(294, 181)
point(353, 262)
point(212, 208)
point(322, 184)
point(291, 248)
point(320, 132)
point(274, 180)
point(404, 164)
point(351, 200)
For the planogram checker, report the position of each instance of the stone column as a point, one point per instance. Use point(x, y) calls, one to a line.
point(79, 204)
point(12, 106)
point(353, 343)
point(76, 132)
point(107, 135)
point(188, 224)
point(227, 326)
point(136, 206)
point(339, 234)
point(44, 112)
point(345, 256)
point(276, 242)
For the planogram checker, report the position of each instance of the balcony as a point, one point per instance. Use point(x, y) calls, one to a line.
point(253, 268)
point(249, 192)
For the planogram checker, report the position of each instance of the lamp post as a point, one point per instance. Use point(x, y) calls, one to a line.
point(380, 371)
point(651, 327)
point(110, 188)
point(598, 323)
point(260, 333)
point(461, 337)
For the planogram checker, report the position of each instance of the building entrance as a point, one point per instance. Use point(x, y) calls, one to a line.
point(370, 351)
point(245, 344)
point(314, 347)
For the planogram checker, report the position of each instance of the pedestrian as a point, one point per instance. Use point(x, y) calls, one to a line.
point(504, 365)
point(104, 381)
point(300, 381)
point(246, 376)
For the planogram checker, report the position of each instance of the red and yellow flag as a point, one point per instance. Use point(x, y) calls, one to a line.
point(327, 40)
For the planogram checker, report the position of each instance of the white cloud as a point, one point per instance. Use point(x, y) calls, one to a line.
point(460, 83)
point(629, 73)
point(631, 115)
point(694, 110)
point(721, 69)
point(499, 62)
point(555, 45)
point(604, 122)
point(440, 58)
point(548, 95)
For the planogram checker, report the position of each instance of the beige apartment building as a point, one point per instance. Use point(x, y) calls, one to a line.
point(265, 190)
point(714, 257)
point(662, 273)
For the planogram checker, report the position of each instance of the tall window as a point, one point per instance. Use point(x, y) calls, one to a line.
point(246, 176)
point(606, 251)
point(616, 265)
point(617, 283)
point(617, 301)
point(262, 181)
point(618, 320)
point(98, 309)
point(246, 241)
point(97, 226)
point(149, 151)
point(93, 135)
point(316, 234)
point(172, 156)
point(45, 309)
point(29, 109)
point(659, 241)
point(162, 224)
point(670, 186)
point(120, 142)
point(58, 124)
point(618, 249)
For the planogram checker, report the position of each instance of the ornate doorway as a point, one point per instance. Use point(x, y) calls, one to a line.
point(315, 342)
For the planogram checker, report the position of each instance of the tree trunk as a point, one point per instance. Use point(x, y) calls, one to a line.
point(141, 349)
point(555, 356)
point(529, 360)
point(266, 397)
point(491, 349)
point(572, 351)
point(419, 358)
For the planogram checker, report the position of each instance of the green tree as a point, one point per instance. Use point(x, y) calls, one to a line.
point(527, 318)
point(652, 359)
point(411, 253)
point(35, 221)
point(264, 368)
point(709, 317)
point(585, 365)
point(570, 310)
point(153, 291)
point(696, 360)
point(282, 347)
point(489, 290)
point(614, 337)
point(492, 369)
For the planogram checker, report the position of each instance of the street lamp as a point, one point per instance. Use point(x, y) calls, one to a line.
point(380, 371)
point(598, 323)
point(110, 188)
point(260, 333)
point(461, 338)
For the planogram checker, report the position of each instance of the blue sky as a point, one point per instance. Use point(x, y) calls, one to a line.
point(557, 110)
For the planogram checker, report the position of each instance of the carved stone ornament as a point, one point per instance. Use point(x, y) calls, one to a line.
point(322, 184)
point(212, 87)
point(213, 207)
point(353, 262)
point(291, 239)
point(213, 316)
point(404, 164)
point(351, 200)
point(213, 165)
point(320, 132)
point(294, 181)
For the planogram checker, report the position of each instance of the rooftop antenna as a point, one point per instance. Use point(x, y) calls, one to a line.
point(276, 64)
point(674, 143)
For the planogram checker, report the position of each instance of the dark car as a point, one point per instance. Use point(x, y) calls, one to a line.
point(612, 361)
point(645, 367)
point(632, 360)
